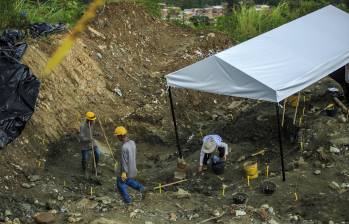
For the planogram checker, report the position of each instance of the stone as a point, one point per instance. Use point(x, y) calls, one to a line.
point(99, 55)
point(331, 222)
point(148, 222)
point(86, 204)
point(16, 221)
point(334, 150)
point(74, 219)
point(172, 216)
point(105, 200)
point(182, 194)
point(317, 172)
point(105, 221)
point(211, 35)
point(26, 185)
point(240, 213)
point(334, 185)
point(263, 214)
point(273, 221)
point(44, 218)
point(34, 178)
point(340, 141)
point(60, 198)
point(8, 213)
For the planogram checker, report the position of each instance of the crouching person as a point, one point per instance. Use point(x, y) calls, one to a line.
point(128, 168)
point(212, 144)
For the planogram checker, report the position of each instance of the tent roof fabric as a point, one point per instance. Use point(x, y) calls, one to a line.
point(276, 64)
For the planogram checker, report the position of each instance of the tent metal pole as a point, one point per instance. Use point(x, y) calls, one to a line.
point(175, 124)
point(280, 142)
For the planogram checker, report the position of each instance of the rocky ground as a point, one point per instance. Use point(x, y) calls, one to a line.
point(117, 69)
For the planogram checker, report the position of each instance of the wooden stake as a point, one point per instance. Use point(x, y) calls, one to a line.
point(106, 139)
point(91, 191)
point(295, 112)
point(283, 113)
point(177, 182)
point(267, 171)
point(295, 196)
point(93, 150)
point(248, 180)
point(160, 188)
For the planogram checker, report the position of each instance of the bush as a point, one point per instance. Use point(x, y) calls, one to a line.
point(18, 13)
point(246, 22)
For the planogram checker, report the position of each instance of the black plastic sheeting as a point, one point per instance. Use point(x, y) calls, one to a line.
point(19, 88)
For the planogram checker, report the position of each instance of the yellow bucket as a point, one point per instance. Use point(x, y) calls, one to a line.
point(251, 169)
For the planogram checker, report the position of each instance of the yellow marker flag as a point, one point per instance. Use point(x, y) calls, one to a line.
point(68, 42)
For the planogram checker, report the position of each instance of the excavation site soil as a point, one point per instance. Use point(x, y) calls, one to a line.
point(117, 69)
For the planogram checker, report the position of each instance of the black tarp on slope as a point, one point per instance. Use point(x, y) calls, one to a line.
point(19, 89)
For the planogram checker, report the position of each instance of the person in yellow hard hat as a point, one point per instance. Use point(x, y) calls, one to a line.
point(87, 139)
point(128, 167)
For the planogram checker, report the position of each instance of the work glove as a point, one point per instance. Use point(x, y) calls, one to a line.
point(123, 176)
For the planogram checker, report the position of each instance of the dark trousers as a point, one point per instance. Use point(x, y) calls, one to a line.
point(84, 156)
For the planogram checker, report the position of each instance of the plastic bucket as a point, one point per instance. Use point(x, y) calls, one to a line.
point(251, 169)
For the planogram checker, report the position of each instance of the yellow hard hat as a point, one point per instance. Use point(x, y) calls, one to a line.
point(90, 116)
point(120, 131)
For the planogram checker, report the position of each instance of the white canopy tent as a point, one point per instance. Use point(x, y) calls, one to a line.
point(274, 65)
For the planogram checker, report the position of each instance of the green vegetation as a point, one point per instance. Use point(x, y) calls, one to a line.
point(245, 22)
point(151, 5)
point(18, 13)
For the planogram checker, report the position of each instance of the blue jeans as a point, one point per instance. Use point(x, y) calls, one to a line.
point(122, 187)
point(84, 154)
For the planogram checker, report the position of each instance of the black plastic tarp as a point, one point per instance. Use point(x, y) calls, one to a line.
point(19, 89)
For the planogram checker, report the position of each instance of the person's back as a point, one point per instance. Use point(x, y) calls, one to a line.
point(129, 158)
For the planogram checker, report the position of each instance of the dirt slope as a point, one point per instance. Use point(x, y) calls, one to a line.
point(131, 56)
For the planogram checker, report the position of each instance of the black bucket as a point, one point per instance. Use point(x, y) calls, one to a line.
point(268, 187)
point(240, 198)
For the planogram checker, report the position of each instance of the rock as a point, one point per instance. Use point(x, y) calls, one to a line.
point(74, 219)
point(334, 150)
point(271, 210)
point(148, 222)
point(16, 221)
point(86, 204)
point(60, 198)
point(44, 218)
point(331, 222)
point(345, 185)
point(317, 172)
point(182, 193)
point(240, 213)
point(26, 185)
point(105, 221)
point(105, 200)
point(216, 213)
point(8, 213)
point(211, 35)
point(273, 221)
point(117, 91)
point(172, 216)
point(334, 185)
point(263, 214)
point(340, 141)
point(266, 206)
point(34, 178)
point(99, 55)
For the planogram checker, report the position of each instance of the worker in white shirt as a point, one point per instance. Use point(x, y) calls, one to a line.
point(212, 143)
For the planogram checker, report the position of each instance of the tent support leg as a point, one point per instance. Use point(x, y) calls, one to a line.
point(280, 142)
point(180, 154)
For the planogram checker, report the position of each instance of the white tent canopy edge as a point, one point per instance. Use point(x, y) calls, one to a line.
point(276, 64)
